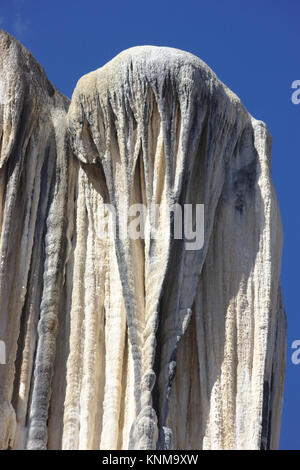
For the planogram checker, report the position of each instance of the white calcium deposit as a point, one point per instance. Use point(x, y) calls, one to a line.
point(114, 343)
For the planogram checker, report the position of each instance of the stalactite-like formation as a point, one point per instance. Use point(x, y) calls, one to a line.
point(146, 343)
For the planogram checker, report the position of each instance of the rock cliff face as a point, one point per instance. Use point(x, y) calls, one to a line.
point(147, 343)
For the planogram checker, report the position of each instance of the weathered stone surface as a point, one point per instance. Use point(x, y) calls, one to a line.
point(32, 123)
point(115, 343)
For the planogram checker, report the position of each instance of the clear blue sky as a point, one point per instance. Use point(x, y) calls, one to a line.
point(252, 45)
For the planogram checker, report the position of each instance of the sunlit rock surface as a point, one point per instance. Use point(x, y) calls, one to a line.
point(115, 343)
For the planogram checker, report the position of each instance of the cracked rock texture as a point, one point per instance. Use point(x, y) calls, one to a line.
point(114, 343)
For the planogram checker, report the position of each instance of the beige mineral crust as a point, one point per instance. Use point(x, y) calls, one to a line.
point(115, 343)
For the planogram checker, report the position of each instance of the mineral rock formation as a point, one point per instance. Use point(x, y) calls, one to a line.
point(118, 343)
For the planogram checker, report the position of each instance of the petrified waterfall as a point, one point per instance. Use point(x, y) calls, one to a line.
point(115, 342)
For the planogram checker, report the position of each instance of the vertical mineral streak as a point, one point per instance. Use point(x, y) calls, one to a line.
point(114, 342)
point(32, 112)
